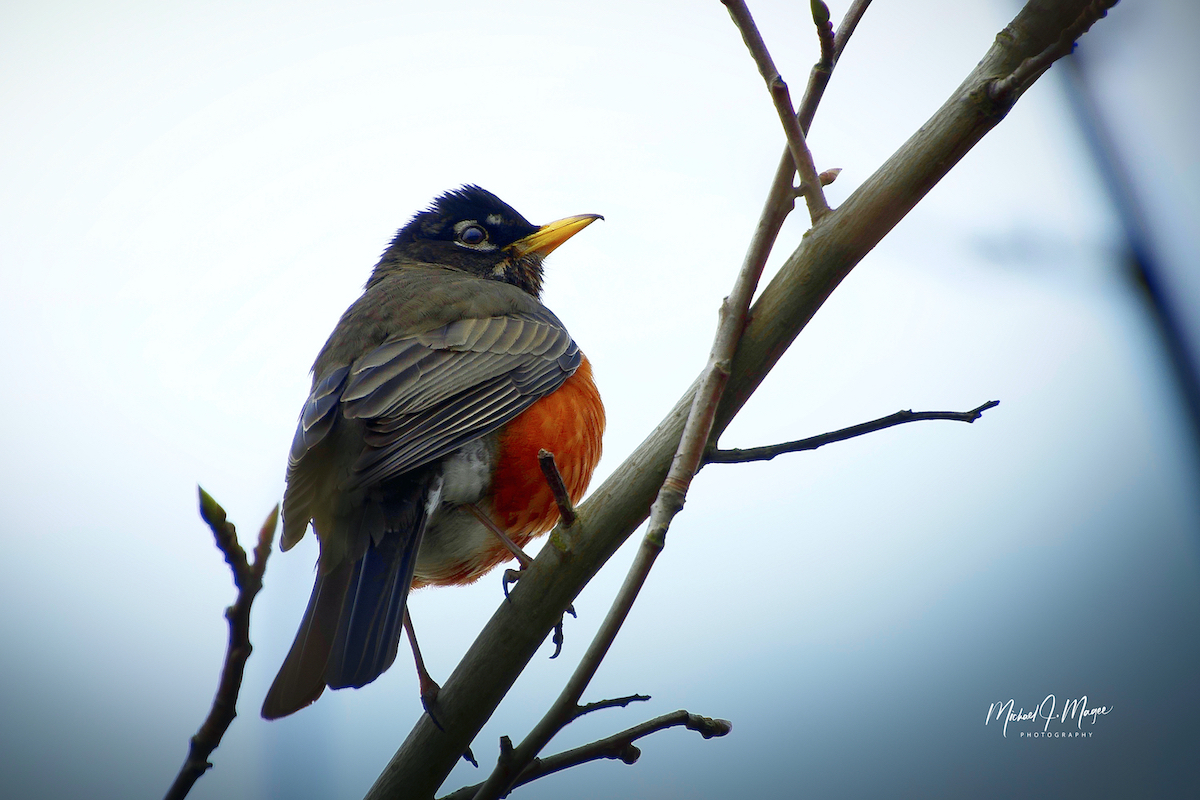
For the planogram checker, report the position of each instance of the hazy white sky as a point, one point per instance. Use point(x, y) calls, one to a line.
point(193, 194)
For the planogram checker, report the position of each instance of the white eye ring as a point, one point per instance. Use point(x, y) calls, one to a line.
point(470, 233)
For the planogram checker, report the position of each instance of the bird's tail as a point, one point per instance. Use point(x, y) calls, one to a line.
point(352, 626)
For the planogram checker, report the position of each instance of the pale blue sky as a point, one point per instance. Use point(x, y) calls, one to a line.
point(192, 195)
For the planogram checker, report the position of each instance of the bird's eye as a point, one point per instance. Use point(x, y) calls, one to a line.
point(472, 235)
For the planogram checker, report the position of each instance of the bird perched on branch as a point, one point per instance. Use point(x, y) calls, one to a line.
point(418, 443)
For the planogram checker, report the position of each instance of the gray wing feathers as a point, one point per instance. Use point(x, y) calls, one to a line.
point(316, 421)
point(476, 375)
point(412, 374)
point(417, 439)
point(424, 396)
point(319, 414)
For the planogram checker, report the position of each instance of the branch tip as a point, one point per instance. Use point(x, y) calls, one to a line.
point(248, 581)
point(767, 452)
point(210, 510)
point(707, 726)
point(558, 487)
point(802, 158)
point(616, 702)
point(825, 35)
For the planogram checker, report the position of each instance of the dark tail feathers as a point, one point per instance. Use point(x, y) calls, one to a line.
point(351, 630)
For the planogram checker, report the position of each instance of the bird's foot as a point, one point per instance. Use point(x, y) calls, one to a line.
point(511, 576)
point(429, 693)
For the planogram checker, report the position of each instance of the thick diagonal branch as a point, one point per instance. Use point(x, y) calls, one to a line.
point(823, 259)
point(1031, 68)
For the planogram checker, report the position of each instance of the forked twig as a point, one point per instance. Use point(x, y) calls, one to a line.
point(782, 98)
point(781, 196)
point(619, 747)
point(248, 579)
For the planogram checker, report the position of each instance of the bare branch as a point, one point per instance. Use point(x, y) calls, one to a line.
point(781, 196)
point(616, 702)
point(767, 452)
point(801, 157)
point(825, 35)
point(619, 747)
point(818, 77)
point(566, 510)
point(248, 578)
point(673, 490)
point(1005, 89)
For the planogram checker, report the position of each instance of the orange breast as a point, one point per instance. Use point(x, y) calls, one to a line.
point(568, 423)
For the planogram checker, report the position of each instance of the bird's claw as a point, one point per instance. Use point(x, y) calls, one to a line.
point(511, 576)
point(558, 631)
point(429, 693)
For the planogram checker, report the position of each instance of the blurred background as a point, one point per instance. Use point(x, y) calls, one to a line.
point(192, 194)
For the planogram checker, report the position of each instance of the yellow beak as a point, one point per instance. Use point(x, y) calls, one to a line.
point(545, 239)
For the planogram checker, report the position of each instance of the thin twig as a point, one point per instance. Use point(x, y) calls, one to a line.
point(558, 487)
point(615, 702)
point(802, 158)
point(248, 579)
point(781, 196)
point(1005, 89)
point(825, 35)
point(767, 452)
point(818, 78)
point(619, 747)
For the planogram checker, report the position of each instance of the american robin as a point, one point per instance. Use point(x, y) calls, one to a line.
point(429, 403)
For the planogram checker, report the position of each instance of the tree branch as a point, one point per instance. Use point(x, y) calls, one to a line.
point(1029, 70)
point(566, 511)
point(619, 746)
point(782, 98)
point(513, 763)
point(248, 578)
point(832, 46)
point(824, 257)
point(615, 702)
point(767, 452)
point(781, 196)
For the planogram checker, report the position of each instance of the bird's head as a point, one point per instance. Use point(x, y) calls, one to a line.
point(472, 230)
